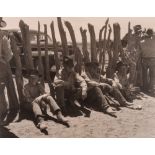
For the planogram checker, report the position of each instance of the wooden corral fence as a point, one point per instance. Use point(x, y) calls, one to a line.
point(96, 54)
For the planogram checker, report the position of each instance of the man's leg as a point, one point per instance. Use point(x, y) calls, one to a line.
point(54, 108)
point(145, 75)
point(119, 97)
point(132, 73)
point(60, 96)
point(96, 98)
point(38, 115)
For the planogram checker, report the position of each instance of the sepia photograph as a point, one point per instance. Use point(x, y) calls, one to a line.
point(77, 77)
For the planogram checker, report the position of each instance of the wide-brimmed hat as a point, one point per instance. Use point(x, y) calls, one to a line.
point(149, 31)
point(2, 22)
point(137, 28)
point(34, 74)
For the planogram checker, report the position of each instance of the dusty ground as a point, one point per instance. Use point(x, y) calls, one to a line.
point(130, 123)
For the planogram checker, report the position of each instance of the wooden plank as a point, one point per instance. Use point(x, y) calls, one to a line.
point(77, 52)
point(57, 61)
point(116, 28)
point(93, 43)
point(102, 56)
point(63, 37)
point(26, 45)
point(110, 56)
point(40, 63)
point(47, 68)
point(84, 45)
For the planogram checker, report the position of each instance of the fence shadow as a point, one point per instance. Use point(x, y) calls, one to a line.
point(6, 133)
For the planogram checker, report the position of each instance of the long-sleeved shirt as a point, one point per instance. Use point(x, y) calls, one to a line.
point(95, 80)
point(31, 92)
point(71, 80)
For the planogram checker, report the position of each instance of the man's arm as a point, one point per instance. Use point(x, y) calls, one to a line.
point(59, 80)
point(27, 96)
point(6, 49)
point(83, 85)
point(90, 83)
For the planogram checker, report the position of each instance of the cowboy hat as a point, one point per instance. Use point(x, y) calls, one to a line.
point(2, 22)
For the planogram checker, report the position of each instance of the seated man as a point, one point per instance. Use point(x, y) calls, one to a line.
point(71, 86)
point(121, 80)
point(36, 101)
point(105, 84)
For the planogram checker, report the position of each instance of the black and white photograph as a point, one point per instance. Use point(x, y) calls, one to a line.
point(77, 77)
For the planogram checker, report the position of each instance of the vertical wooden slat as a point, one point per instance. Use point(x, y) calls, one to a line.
point(93, 43)
point(40, 63)
point(26, 45)
point(63, 37)
point(84, 45)
point(57, 61)
point(47, 68)
point(109, 51)
point(104, 45)
point(116, 28)
point(77, 52)
point(100, 45)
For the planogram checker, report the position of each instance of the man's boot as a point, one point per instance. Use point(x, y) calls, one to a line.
point(60, 117)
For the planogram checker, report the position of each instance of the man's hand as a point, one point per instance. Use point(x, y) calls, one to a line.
point(59, 83)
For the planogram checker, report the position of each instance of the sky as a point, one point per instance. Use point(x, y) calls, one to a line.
point(77, 22)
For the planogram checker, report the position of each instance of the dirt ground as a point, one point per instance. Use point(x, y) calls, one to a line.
point(129, 123)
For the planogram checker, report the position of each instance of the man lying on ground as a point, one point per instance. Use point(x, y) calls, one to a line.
point(36, 101)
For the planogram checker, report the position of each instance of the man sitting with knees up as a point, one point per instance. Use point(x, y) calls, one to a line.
point(71, 86)
point(36, 101)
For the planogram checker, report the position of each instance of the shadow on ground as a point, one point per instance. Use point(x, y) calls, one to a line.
point(5, 133)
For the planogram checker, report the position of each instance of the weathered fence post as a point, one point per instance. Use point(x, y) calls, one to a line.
point(102, 44)
point(93, 43)
point(116, 48)
point(40, 63)
point(57, 62)
point(26, 45)
point(63, 37)
point(84, 45)
point(47, 68)
point(77, 52)
point(110, 57)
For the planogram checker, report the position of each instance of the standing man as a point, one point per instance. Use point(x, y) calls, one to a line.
point(148, 61)
point(133, 52)
point(5, 57)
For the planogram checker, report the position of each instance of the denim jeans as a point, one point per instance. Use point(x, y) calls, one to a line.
point(96, 99)
point(39, 107)
point(113, 91)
